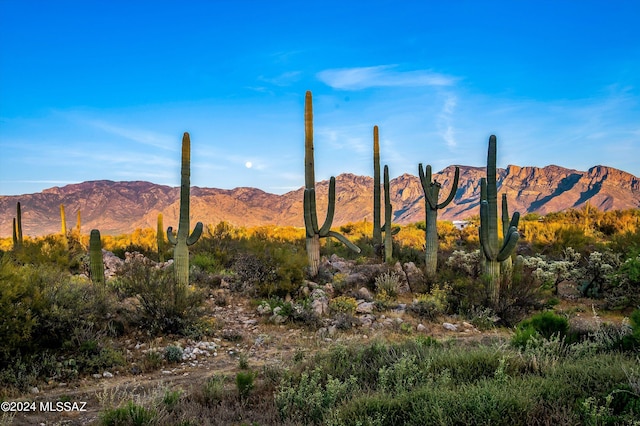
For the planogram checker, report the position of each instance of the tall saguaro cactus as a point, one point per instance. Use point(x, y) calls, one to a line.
point(378, 229)
point(78, 223)
point(63, 227)
point(183, 239)
point(313, 232)
point(17, 227)
point(96, 263)
point(493, 251)
point(431, 206)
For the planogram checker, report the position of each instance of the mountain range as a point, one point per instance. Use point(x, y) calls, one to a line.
point(121, 207)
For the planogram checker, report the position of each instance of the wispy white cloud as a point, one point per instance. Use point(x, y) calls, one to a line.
point(382, 76)
point(131, 133)
point(445, 121)
point(284, 79)
point(145, 137)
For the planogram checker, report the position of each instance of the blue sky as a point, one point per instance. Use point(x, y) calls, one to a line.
point(104, 89)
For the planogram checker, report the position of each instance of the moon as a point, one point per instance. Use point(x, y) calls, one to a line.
point(248, 164)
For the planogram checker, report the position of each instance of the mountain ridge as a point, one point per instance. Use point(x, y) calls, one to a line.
point(118, 207)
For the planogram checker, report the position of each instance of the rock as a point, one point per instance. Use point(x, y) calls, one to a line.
point(364, 307)
point(403, 284)
point(365, 294)
point(338, 264)
point(449, 326)
point(400, 309)
point(367, 320)
point(328, 289)
point(34, 390)
point(107, 375)
point(355, 279)
point(421, 328)
point(320, 302)
point(414, 275)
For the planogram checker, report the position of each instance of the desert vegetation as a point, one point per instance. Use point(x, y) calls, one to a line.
point(530, 320)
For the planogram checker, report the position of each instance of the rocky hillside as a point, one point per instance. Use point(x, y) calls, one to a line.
point(121, 207)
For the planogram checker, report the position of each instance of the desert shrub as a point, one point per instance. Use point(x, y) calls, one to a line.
point(343, 304)
point(598, 273)
point(130, 414)
point(245, 383)
point(624, 287)
point(271, 271)
point(545, 324)
point(389, 282)
point(207, 262)
point(173, 354)
point(469, 263)
point(43, 307)
point(213, 390)
point(432, 304)
point(164, 306)
point(309, 398)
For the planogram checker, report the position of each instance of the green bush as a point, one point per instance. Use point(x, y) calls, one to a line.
point(545, 324)
point(389, 283)
point(131, 414)
point(433, 304)
point(173, 354)
point(165, 306)
point(343, 305)
point(244, 383)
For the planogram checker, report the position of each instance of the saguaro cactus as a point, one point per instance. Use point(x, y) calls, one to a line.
point(78, 224)
point(160, 238)
point(377, 229)
point(96, 264)
point(493, 251)
point(314, 233)
point(431, 206)
point(17, 228)
point(183, 239)
point(377, 210)
point(63, 228)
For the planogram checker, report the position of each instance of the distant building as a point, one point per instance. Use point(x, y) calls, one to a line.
point(460, 224)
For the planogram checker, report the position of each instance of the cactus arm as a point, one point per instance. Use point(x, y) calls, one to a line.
point(454, 188)
point(388, 243)
point(484, 232)
point(505, 216)
point(344, 240)
point(173, 240)
point(195, 235)
point(330, 208)
point(509, 244)
point(308, 212)
point(427, 186)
